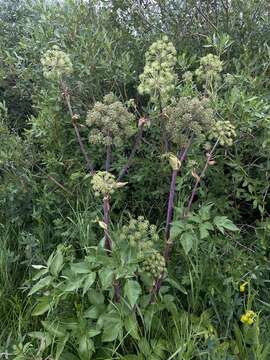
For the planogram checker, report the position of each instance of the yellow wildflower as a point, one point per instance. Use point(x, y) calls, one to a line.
point(248, 317)
point(242, 287)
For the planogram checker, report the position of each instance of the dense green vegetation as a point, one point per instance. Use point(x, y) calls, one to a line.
point(134, 180)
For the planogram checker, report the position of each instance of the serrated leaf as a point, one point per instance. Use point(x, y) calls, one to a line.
point(203, 228)
point(132, 291)
point(222, 222)
point(187, 240)
point(112, 325)
point(106, 277)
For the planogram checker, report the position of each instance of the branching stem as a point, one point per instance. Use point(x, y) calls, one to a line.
point(74, 118)
point(198, 178)
point(137, 143)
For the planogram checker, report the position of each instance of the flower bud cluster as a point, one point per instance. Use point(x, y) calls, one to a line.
point(104, 183)
point(110, 122)
point(223, 130)
point(154, 264)
point(56, 64)
point(209, 69)
point(189, 113)
point(158, 78)
point(139, 233)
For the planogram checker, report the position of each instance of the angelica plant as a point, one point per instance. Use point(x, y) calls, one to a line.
point(57, 66)
point(189, 118)
point(208, 73)
point(158, 79)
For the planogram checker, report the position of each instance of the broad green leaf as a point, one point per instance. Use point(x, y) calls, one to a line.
point(204, 212)
point(131, 326)
point(80, 268)
point(95, 297)
point(56, 263)
point(40, 274)
point(204, 227)
point(86, 347)
point(61, 346)
point(90, 279)
point(93, 332)
point(176, 285)
point(54, 328)
point(42, 306)
point(44, 337)
point(112, 325)
point(43, 283)
point(222, 222)
point(187, 241)
point(132, 291)
point(106, 277)
point(74, 284)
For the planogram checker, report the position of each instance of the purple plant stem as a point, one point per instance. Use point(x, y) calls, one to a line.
point(137, 143)
point(168, 246)
point(198, 178)
point(106, 204)
point(163, 128)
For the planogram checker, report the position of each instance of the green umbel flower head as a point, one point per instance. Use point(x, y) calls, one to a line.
point(223, 130)
point(56, 64)
point(110, 122)
point(209, 73)
point(188, 115)
point(140, 234)
point(104, 183)
point(158, 78)
point(154, 264)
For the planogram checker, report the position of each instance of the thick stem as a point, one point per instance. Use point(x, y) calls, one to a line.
point(163, 128)
point(106, 204)
point(169, 244)
point(75, 126)
point(137, 143)
point(117, 291)
point(106, 220)
point(108, 158)
point(198, 178)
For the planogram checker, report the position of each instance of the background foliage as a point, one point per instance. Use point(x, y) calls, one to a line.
point(48, 209)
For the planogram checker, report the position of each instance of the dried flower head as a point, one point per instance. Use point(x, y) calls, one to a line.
point(56, 64)
point(110, 122)
point(188, 115)
point(223, 130)
point(158, 78)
